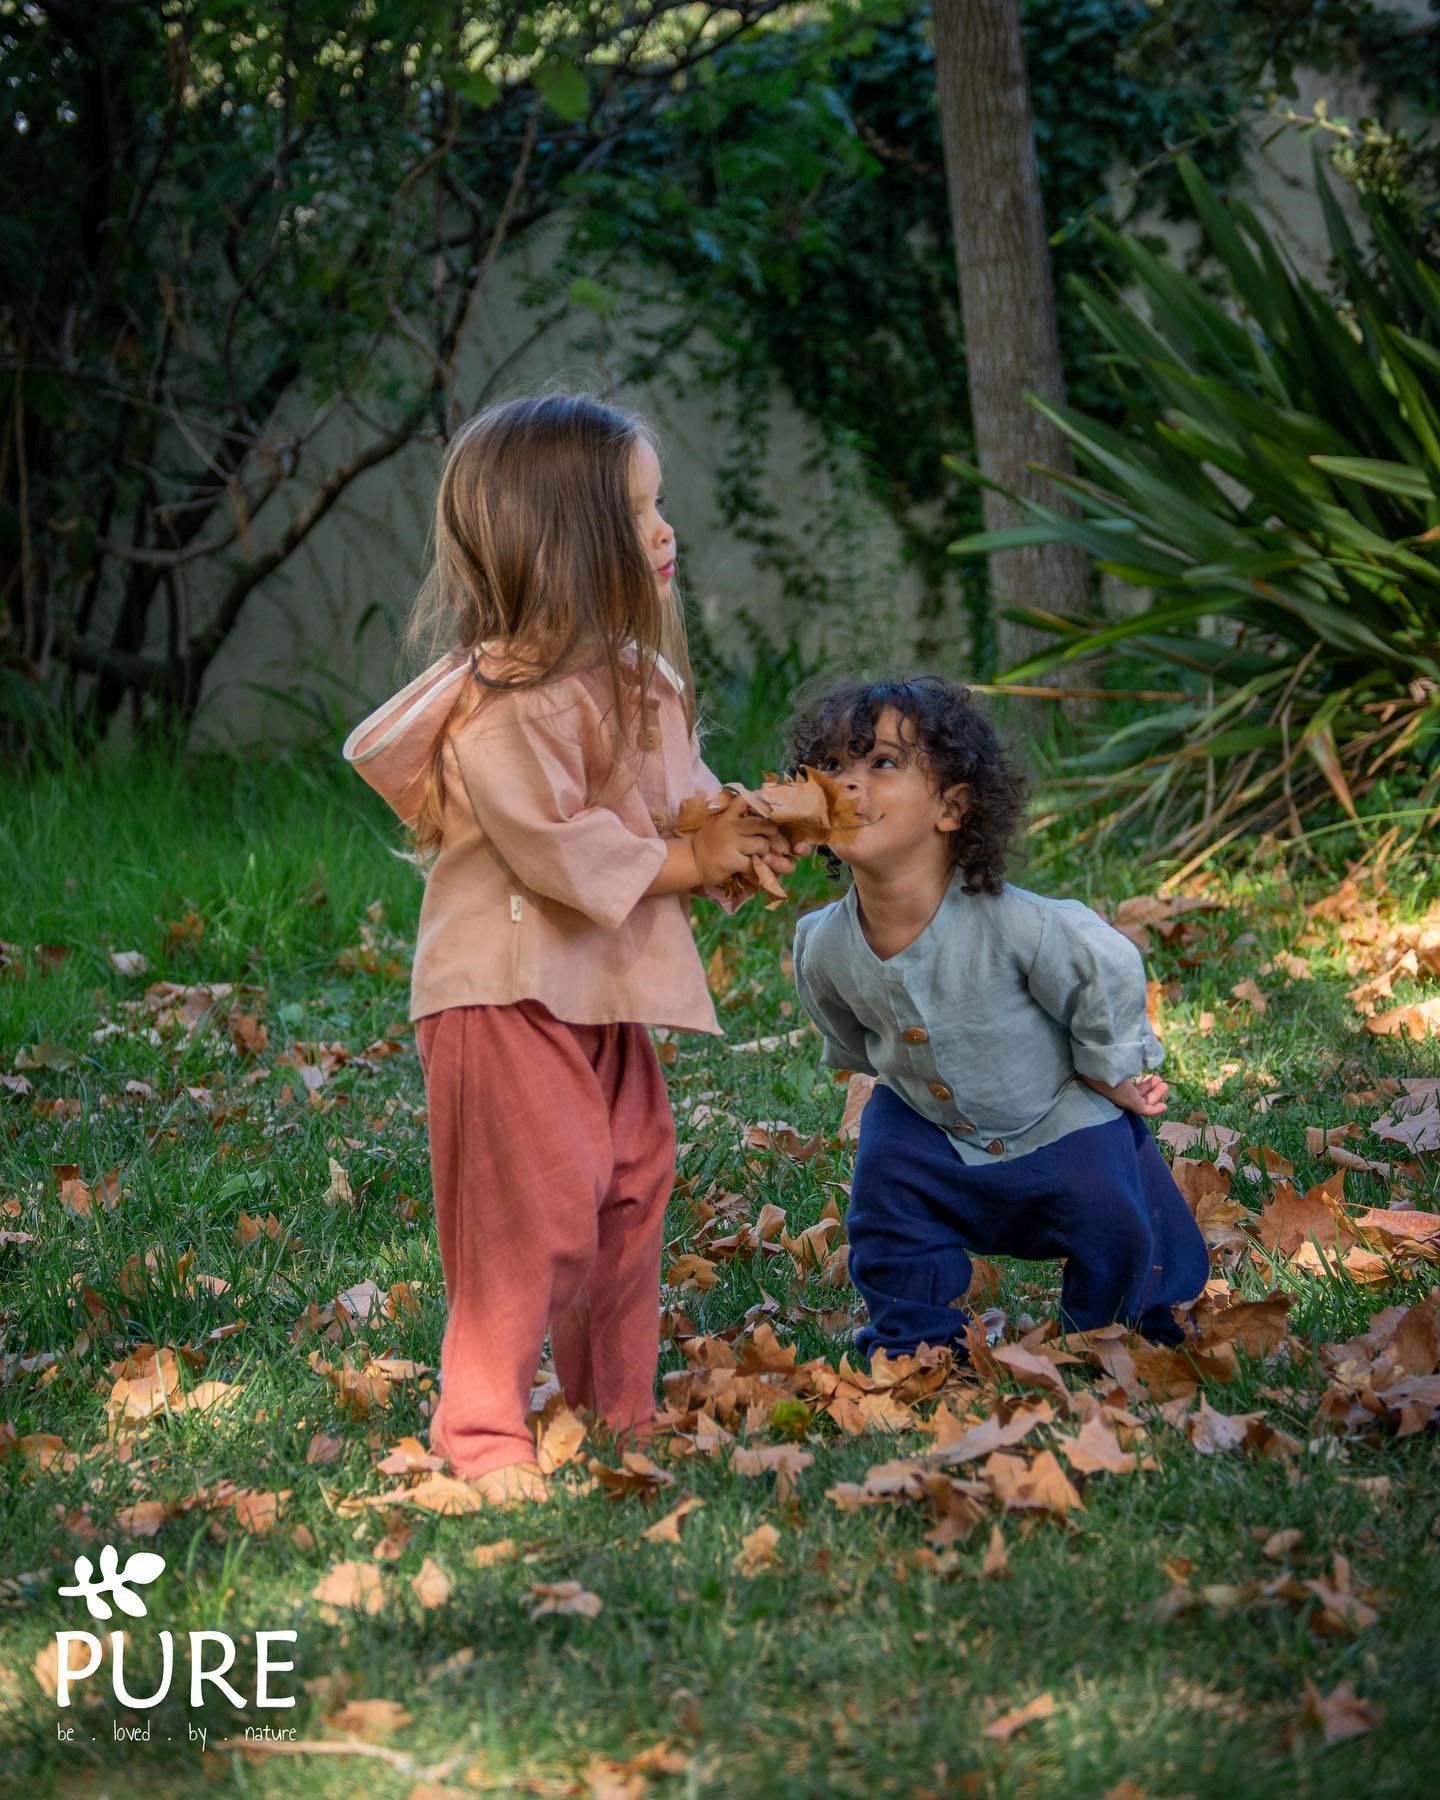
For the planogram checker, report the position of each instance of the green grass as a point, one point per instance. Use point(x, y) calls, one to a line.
point(851, 1668)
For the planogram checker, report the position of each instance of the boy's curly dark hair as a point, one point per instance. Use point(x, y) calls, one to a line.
point(955, 742)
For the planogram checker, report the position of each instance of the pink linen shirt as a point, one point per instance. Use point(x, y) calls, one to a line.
point(538, 890)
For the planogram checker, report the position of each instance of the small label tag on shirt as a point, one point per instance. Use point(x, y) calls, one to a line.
point(515, 906)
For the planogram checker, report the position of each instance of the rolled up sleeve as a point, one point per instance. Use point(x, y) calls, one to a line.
point(527, 771)
point(1091, 980)
point(842, 1033)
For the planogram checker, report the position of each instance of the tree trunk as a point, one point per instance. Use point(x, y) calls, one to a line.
point(1007, 299)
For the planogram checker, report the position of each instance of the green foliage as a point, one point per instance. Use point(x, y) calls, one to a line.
point(798, 209)
point(1275, 486)
point(243, 245)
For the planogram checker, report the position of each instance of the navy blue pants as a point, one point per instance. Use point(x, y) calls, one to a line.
point(1103, 1198)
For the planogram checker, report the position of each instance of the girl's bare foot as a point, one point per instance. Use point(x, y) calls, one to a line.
point(515, 1485)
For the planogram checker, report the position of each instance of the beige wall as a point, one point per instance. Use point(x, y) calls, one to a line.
point(302, 631)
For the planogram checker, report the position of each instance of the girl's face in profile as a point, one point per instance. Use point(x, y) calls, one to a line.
point(646, 500)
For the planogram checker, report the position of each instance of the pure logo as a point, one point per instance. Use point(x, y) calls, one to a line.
point(80, 1653)
point(143, 1567)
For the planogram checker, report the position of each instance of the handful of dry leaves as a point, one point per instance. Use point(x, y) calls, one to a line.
point(809, 810)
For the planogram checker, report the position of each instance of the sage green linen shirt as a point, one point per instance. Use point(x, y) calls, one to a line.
point(986, 1022)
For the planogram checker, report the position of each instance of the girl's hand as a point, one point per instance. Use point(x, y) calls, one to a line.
point(725, 843)
point(1145, 1094)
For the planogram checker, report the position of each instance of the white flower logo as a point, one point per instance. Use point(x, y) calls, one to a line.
point(144, 1566)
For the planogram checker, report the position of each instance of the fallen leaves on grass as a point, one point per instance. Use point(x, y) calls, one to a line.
point(348, 1587)
point(1340, 1714)
point(667, 1530)
point(564, 1597)
point(1005, 1727)
point(759, 1550)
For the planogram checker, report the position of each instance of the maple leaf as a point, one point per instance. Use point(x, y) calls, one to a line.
point(1291, 1219)
point(1096, 1450)
point(787, 1461)
point(1341, 1713)
point(558, 1435)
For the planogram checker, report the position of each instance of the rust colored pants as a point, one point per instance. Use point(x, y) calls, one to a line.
point(552, 1149)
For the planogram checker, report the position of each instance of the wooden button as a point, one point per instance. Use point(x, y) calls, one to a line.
point(916, 1035)
point(965, 1126)
point(661, 821)
point(995, 1146)
point(939, 1090)
point(653, 738)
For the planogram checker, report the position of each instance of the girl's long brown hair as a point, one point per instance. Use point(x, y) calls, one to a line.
point(537, 555)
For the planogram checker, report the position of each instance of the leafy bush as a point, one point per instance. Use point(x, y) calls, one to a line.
point(1275, 486)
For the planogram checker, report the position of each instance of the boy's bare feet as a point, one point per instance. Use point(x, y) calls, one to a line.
point(517, 1484)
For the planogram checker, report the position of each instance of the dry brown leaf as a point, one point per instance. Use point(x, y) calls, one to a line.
point(444, 1494)
point(1032, 1369)
point(145, 1518)
point(758, 1550)
point(692, 1271)
point(777, 1135)
point(1341, 1713)
point(996, 1561)
point(1005, 1727)
point(348, 1586)
point(338, 1191)
point(667, 1530)
point(432, 1587)
point(559, 1436)
point(1096, 1450)
point(1291, 1219)
point(857, 1096)
point(368, 1719)
point(637, 1474)
point(787, 1461)
point(1210, 1431)
point(485, 1556)
point(567, 1597)
point(1418, 1020)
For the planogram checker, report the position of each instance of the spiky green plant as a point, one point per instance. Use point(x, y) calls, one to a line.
point(1275, 490)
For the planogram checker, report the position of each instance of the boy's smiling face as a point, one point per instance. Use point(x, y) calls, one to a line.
point(908, 820)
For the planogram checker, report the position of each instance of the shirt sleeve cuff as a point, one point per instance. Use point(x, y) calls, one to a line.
point(836, 1056)
point(1111, 1063)
point(611, 901)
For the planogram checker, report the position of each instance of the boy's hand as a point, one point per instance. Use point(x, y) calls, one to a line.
point(1145, 1094)
point(782, 858)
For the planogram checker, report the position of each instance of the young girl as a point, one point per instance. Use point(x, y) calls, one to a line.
point(1008, 1032)
point(539, 763)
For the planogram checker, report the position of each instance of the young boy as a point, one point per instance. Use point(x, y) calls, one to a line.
point(1007, 1031)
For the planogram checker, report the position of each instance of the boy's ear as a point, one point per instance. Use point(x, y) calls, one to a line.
point(956, 801)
